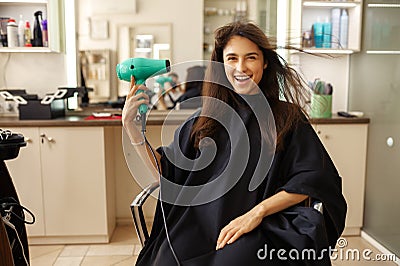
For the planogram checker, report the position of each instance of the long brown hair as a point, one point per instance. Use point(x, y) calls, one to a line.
point(279, 80)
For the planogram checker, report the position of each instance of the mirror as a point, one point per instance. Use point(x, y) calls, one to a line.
point(143, 40)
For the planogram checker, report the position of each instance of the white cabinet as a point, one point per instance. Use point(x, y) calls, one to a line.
point(304, 14)
point(65, 177)
point(51, 11)
point(347, 146)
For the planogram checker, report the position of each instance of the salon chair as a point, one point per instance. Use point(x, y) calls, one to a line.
point(137, 212)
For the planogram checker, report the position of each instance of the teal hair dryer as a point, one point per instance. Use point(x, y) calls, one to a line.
point(162, 80)
point(141, 69)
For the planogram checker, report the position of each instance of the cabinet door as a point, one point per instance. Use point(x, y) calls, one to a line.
point(26, 174)
point(347, 146)
point(74, 185)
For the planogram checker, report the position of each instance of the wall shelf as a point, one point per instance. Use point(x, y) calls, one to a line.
point(51, 11)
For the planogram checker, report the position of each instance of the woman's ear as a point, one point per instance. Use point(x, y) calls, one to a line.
point(265, 65)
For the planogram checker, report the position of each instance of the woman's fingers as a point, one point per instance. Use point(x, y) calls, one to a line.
point(226, 234)
point(133, 81)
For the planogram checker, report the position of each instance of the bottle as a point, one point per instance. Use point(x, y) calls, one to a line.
point(318, 33)
point(28, 34)
point(21, 32)
point(307, 42)
point(44, 33)
point(327, 29)
point(335, 19)
point(37, 31)
point(344, 28)
point(12, 33)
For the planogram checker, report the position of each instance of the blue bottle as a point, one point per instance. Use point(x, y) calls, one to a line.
point(318, 34)
point(327, 31)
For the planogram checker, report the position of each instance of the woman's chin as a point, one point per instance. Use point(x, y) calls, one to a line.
point(245, 89)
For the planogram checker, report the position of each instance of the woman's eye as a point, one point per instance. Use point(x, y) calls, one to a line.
point(231, 58)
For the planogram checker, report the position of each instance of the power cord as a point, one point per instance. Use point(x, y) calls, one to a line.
point(143, 118)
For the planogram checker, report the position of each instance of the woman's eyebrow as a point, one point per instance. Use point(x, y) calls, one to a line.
point(234, 54)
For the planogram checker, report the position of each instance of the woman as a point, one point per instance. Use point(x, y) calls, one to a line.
point(248, 220)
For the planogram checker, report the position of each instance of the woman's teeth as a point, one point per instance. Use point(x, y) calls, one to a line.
point(242, 78)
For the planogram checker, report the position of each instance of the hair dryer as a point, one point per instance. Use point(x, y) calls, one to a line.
point(141, 69)
point(162, 80)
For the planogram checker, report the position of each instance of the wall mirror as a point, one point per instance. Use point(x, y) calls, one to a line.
point(143, 40)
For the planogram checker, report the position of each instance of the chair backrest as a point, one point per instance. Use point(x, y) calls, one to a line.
point(137, 212)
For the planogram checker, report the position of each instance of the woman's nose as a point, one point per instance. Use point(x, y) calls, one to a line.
point(241, 65)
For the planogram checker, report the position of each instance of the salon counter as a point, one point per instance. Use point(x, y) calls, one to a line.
point(155, 118)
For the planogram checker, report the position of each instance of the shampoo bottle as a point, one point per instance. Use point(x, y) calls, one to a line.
point(344, 28)
point(44, 33)
point(12, 33)
point(318, 34)
point(327, 29)
point(335, 15)
point(21, 32)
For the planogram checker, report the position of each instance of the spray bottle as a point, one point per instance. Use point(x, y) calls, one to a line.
point(28, 34)
point(37, 30)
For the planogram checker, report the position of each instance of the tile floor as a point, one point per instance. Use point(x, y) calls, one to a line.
point(124, 248)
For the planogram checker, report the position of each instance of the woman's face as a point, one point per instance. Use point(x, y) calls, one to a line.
point(244, 64)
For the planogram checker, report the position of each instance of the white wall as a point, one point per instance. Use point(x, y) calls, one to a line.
point(334, 70)
point(186, 18)
point(38, 73)
point(41, 73)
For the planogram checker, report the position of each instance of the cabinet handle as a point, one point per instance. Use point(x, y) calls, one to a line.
point(319, 132)
point(49, 139)
point(29, 140)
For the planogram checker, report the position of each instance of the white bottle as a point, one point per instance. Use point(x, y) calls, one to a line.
point(21, 32)
point(335, 18)
point(12, 33)
point(344, 29)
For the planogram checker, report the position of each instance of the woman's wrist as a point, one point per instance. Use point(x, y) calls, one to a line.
point(260, 210)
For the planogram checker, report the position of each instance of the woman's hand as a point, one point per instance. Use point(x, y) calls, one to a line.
point(129, 113)
point(239, 226)
point(133, 101)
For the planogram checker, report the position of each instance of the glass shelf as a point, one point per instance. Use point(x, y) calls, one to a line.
point(328, 51)
point(382, 28)
point(26, 50)
point(330, 4)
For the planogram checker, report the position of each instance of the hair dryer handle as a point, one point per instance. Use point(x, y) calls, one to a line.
point(143, 107)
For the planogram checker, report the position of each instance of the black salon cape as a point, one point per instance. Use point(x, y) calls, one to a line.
point(302, 166)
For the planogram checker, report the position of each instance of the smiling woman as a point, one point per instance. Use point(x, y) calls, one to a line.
point(238, 174)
